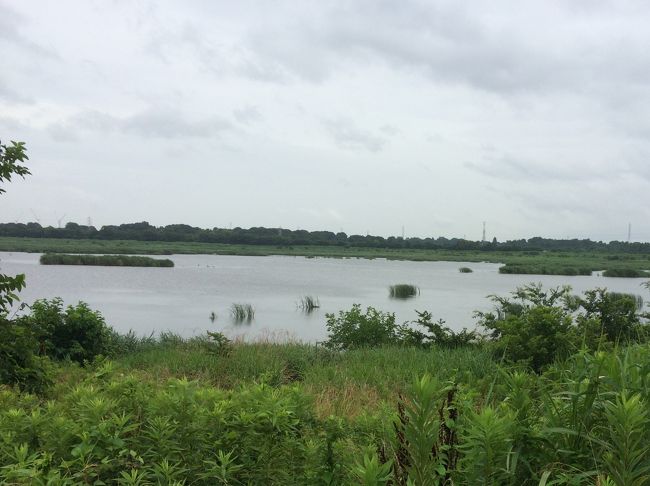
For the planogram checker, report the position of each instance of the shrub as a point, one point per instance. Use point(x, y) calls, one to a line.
point(465, 270)
point(76, 332)
point(616, 312)
point(354, 329)
point(436, 333)
point(19, 361)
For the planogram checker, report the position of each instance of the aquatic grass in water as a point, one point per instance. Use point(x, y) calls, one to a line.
point(308, 303)
point(465, 270)
point(104, 260)
point(403, 291)
point(626, 273)
point(242, 312)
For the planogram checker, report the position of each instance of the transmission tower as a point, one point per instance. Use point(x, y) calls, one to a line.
point(483, 240)
point(629, 232)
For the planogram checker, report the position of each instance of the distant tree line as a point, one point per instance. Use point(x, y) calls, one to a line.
point(143, 231)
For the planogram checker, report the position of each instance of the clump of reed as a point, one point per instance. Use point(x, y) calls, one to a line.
point(626, 273)
point(308, 303)
point(551, 269)
point(104, 260)
point(465, 270)
point(403, 291)
point(242, 312)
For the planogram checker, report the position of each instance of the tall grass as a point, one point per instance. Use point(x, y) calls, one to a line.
point(104, 260)
point(465, 270)
point(543, 269)
point(308, 303)
point(403, 291)
point(626, 273)
point(242, 312)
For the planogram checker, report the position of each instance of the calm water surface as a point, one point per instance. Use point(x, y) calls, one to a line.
point(180, 299)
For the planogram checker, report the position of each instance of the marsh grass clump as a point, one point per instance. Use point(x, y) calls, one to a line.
point(403, 291)
point(626, 273)
point(242, 312)
point(308, 303)
point(104, 260)
point(465, 270)
point(543, 269)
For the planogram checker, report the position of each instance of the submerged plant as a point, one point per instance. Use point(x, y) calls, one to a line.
point(242, 312)
point(308, 303)
point(403, 291)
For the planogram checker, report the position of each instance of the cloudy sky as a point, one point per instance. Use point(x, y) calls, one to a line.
point(361, 116)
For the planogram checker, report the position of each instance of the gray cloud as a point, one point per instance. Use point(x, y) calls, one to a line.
point(151, 123)
point(247, 114)
point(10, 33)
point(349, 136)
point(458, 42)
point(12, 96)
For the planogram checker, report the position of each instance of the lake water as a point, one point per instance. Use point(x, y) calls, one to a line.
point(180, 299)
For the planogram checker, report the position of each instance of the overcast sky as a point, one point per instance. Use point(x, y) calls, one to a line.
point(361, 116)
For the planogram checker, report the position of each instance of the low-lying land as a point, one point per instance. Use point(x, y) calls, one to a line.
point(529, 262)
point(104, 260)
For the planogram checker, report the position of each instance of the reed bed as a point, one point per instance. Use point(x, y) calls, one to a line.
point(242, 312)
point(403, 291)
point(308, 303)
point(104, 260)
point(626, 273)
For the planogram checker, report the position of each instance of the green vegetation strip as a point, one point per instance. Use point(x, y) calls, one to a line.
point(544, 269)
point(104, 260)
point(529, 262)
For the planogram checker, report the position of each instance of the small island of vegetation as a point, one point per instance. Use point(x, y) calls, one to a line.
point(104, 260)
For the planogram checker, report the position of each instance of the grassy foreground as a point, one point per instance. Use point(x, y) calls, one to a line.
point(104, 260)
point(173, 411)
point(530, 262)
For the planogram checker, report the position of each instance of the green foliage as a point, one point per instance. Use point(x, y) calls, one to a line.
point(403, 291)
point(12, 162)
point(120, 429)
point(615, 312)
point(76, 332)
point(465, 270)
point(371, 472)
point(104, 260)
point(626, 452)
point(535, 327)
point(435, 333)
point(355, 329)
point(426, 452)
point(19, 361)
point(535, 337)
